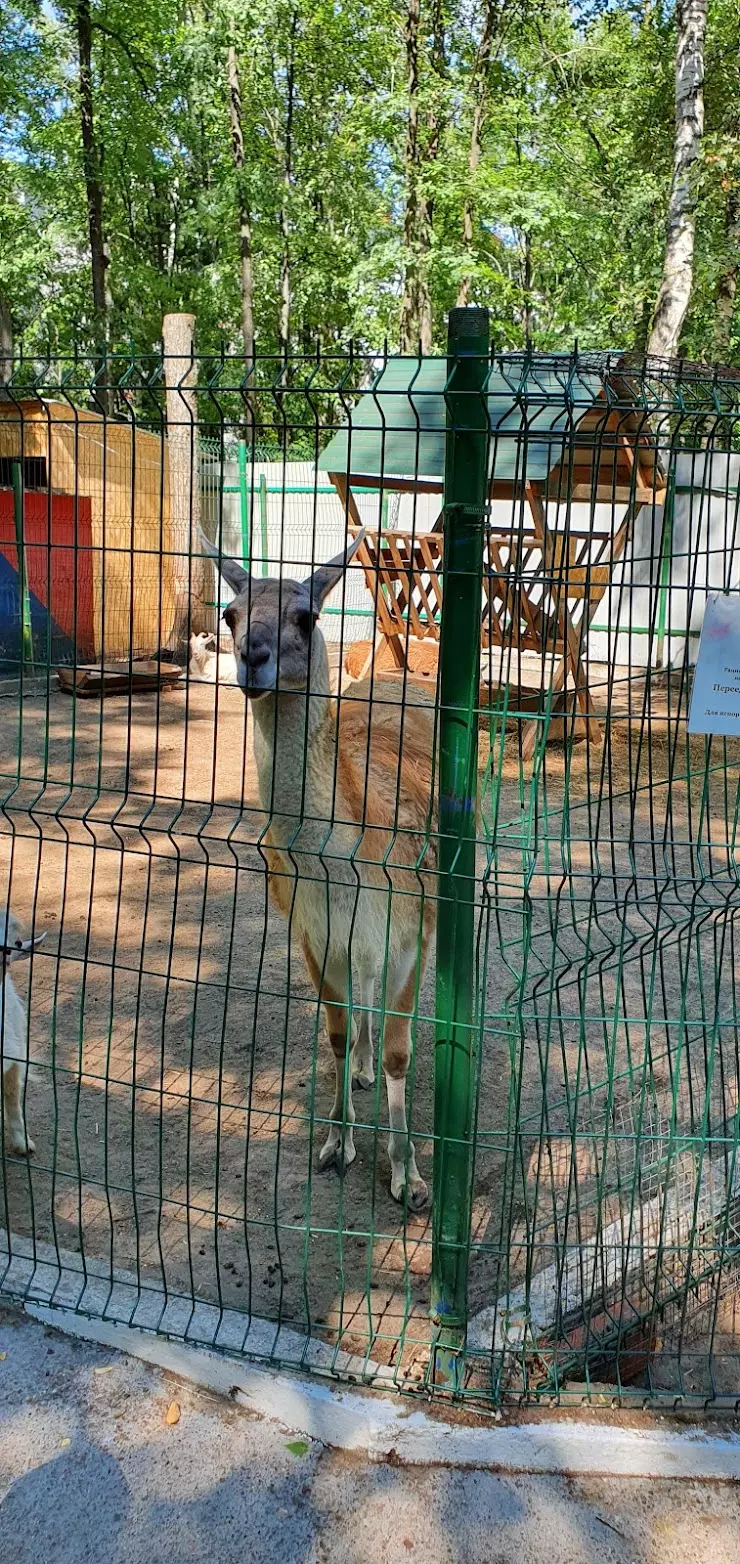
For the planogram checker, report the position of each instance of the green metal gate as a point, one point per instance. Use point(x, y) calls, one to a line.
point(511, 783)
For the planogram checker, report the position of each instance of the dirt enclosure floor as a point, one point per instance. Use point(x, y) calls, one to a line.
point(182, 1078)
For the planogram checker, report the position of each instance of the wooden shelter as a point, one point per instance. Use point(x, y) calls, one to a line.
point(562, 446)
point(116, 478)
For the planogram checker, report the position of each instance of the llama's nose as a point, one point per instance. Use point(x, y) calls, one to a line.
point(258, 654)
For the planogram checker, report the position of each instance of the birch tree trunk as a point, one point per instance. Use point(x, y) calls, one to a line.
point(193, 574)
point(245, 217)
point(678, 266)
point(481, 82)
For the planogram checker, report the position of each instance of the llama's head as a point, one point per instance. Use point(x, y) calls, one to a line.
point(273, 623)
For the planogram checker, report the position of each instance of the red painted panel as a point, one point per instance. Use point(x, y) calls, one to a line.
point(60, 576)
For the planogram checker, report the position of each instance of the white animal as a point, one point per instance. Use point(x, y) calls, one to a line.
point(208, 663)
point(351, 858)
point(14, 1038)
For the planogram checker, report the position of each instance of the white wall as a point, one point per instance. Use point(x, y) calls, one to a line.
point(303, 530)
point(704, 555)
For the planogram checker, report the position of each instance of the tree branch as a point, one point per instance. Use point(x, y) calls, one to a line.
point(110, 32)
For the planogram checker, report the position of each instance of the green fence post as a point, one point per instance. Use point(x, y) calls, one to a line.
point(666, 561)
point(465, 495)
point(243, 502)
point(263, 523)
point(26, 631)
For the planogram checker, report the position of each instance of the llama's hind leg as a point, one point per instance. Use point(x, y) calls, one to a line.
point(363, 1069)
point(338, 1149)
point(17, 1142)
point(406, 1181)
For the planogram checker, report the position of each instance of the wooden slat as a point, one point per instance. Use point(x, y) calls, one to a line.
point(572, 656)
point(561, 480)
point(339, 479)
point(395, 485)
point(606, 495)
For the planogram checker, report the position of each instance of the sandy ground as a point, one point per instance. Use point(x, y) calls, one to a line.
point(92, 1473)
point(182, 1080)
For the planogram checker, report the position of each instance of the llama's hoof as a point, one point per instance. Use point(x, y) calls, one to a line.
point(363, 1080)
point(416, 1192)
point(363, 1074)
point(22, 1146)
point(337, 1154)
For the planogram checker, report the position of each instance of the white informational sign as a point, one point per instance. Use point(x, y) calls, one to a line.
point(715, 696)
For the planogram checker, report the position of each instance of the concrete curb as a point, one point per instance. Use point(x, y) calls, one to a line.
point(385, 1428)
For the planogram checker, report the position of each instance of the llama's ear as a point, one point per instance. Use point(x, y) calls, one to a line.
point(235, 574)
point(326, 577)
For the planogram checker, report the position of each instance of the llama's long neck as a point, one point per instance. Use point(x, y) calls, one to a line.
point(294, 741)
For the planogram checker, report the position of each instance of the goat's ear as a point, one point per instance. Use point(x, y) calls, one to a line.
point(326, 577)
point(235, 574)
point(22, 948)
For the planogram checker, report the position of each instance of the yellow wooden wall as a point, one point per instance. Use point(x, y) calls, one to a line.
point(124, 471)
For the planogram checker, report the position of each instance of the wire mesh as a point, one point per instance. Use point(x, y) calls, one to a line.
point(202, 870)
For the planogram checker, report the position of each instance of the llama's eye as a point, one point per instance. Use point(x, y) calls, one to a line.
point(304, 620)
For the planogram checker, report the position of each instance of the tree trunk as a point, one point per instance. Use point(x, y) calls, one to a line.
point(92, 163)
point(678, 265)
point(481, 82)
point(528, 311)
point(245, 222)
point(6, 341)
point(434, 127)
point(286, 298)
point(416, 309)
point(724, 299)
point(193, 574)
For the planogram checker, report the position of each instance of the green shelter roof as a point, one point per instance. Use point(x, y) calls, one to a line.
point(397, 428)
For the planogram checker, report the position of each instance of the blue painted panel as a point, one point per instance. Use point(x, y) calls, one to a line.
point(50, 643)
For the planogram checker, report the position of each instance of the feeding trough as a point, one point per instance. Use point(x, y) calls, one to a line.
point(122, 678)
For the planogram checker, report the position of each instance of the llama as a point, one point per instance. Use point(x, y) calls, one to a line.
point(13, 1039)
point(208, 663)
point(348, 787)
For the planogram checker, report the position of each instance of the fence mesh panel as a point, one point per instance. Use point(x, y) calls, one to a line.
point(202, 865)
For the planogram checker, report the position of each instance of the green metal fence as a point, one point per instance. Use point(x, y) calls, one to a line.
point(492, 882)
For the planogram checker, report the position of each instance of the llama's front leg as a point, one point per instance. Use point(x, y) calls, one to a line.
point(405, 1176)
point(17, 1141)
point(404, 1172)
point(338, 1149)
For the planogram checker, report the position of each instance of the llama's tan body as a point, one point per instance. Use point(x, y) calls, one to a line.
point(363, 831)
point(351, 865)
point(348, 790)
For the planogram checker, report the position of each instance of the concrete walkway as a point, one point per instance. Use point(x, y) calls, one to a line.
point(91, 1472)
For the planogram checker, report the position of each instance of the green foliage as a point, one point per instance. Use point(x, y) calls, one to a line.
point(568, 198)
